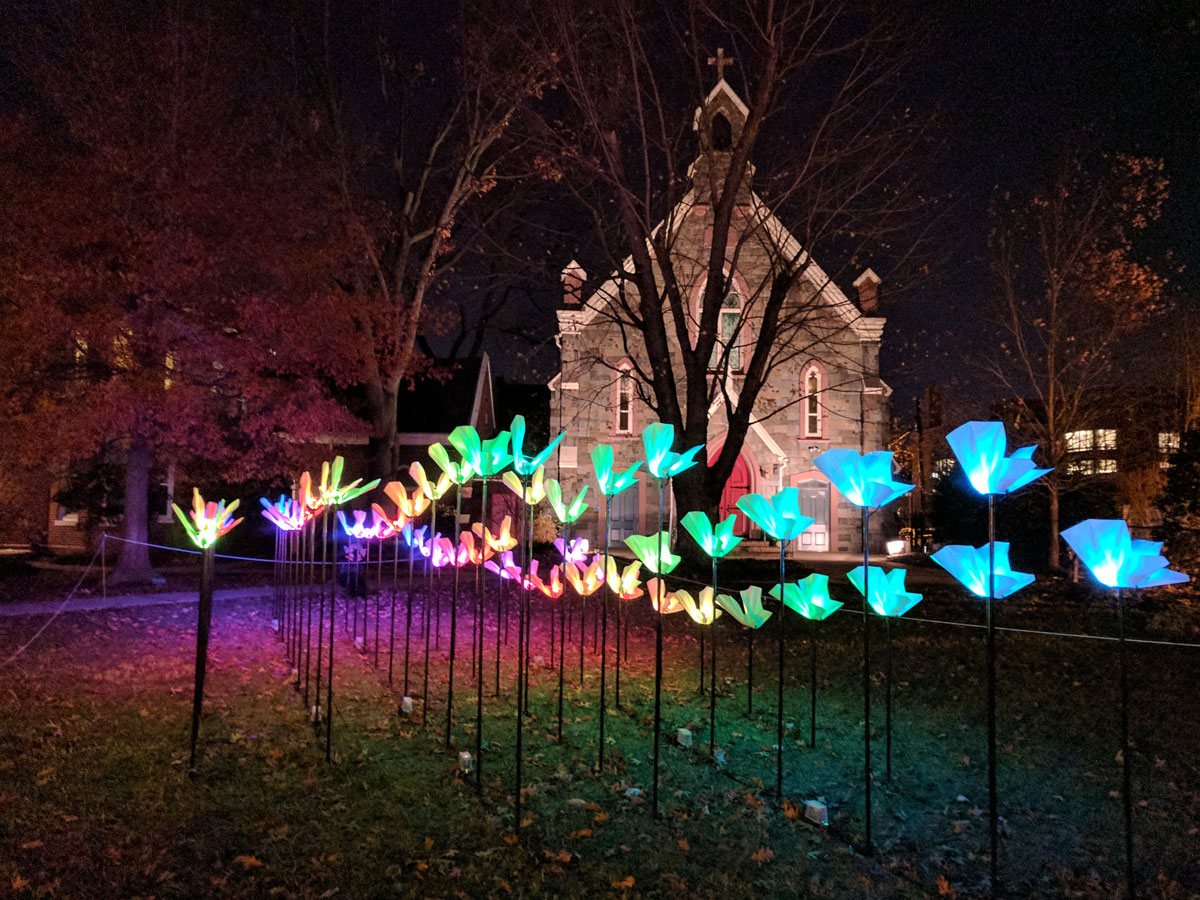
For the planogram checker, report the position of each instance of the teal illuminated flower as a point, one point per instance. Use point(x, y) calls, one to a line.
point(333, 492)
point(970, 566)
point(980, 448)
point(715, 540)
point(779, 517)
point(611, 483)
point(646, 548)
point(809, 597)
point(486, 458)
point(458, 472)
point(1116, 560)
point(748, 610)
point(209, 521)
point(888, 596)
point(526, 465)
point(566, 512)
point(863, 479)
point(661, 461)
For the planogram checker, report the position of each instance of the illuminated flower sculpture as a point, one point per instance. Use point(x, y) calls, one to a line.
point(333, 492)
point(717, 541)
point(748, 609)
point(1118, 561)
point(611, 484)
point(625, 583)
point(567, 513)
point(661, 461)
point(866, 481)
point(980, 448)
point(285, 513)
point(208, 523)
point(779, 518)
point(809, 598)
point(884, 592)
point(488, 458)
point(972, 565)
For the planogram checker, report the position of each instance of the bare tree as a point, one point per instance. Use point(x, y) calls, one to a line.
point(413, 143)
point(1071, 290)
point(824, 140)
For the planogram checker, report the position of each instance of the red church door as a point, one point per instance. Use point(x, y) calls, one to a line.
point(737, 485)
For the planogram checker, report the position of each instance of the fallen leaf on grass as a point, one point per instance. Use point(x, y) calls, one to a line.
point(683, 845)
point(763, 855)
point(623, 884)
point(248, 862)
point(562, 856)
point(31, 845)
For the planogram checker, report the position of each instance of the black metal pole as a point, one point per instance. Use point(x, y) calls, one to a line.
point(604, 592)
point(869, 847)
point(887, 696)
point(392, 613)
point(521, 653)
point(203, 626)
point(993, 810)
point(332, 628)
point(712, 672)
point(812, 679)
point(453, 615)
point(327, 539)
point(779, 701)
point(658, 650)
point(408, 610)
point(479, 664)
point(1126, 756)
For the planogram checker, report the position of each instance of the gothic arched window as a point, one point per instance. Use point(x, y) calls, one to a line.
point(624, 401)
point(812, 402)
point(722, 133)
point(729, 326)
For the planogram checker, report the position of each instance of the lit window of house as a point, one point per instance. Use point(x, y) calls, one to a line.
point(1080, 441)
point(1168, 443)
point(728, 328)
point(941, 469)
point(1106, 466)
point(1106, 438)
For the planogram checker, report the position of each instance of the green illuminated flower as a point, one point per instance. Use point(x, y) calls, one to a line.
point(646, 548)
point(458, 472)
point(209, 521)
point(749, 611)
point(717, 541)
point(778, 517)
point(333, 493)
point(611, 484)
point(809, 597)
point(527, 465)
point(566, 513)
point(487, 458)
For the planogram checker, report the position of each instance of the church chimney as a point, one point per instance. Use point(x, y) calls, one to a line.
point(573, 277)
point(867, 285)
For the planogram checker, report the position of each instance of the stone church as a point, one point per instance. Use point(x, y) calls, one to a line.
point(827, 393)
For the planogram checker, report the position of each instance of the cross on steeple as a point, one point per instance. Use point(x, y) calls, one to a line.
point(720, 61)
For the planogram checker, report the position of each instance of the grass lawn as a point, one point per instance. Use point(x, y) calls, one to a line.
point(97, 800)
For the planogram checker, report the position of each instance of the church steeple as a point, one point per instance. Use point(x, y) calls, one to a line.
point(718, 124)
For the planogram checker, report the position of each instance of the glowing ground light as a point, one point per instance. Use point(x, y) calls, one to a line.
point(863, 479)
point(980, 448)
point(1116, 560)
point(970, 566)
point(209, 522)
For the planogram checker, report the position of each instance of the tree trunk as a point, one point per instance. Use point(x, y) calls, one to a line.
point(381, 448)
point(133, 563)
point(1052, 487)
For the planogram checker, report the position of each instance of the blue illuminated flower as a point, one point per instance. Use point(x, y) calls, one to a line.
point(980, 448)
point(661, 461)
point(778, 517)
point(888, 596)
point(970, 566)
point(809, 597)
point(1116, 560)
point(863, 479)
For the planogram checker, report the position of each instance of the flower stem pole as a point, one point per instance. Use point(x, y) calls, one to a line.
point(604, 598)
point(887, 696)
point(203, 626)
point(479, 649)
point(658, 650)
point(620, 612)
point(522, 650)
point(1126, 761)
point(501, 613)
point(812, 681)
point(326, 540)
point(993, 814)
point(779, 700)
point(869, 846)
point(392, 614)
point(408, 609)
point(332, 623)
point(712, 672)
point(378, 601)
point(431, 574)
point(453, 614)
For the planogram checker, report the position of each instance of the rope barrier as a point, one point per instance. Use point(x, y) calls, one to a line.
point(947, 622)
point(67, 599)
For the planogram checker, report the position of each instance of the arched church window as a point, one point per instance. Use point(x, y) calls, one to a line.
point(624, 402)
point(812, 403)
point(729, 326)
point(722, 132)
